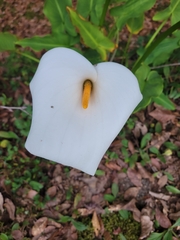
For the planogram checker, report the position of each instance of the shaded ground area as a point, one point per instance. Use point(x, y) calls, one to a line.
point(139, 172)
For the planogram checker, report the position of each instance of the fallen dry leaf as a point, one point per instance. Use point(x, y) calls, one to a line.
point(17, 235)
point(162, 219)
point(39, 226)
point(144, 173)
point(113, 166)
point(131, 193)
point(1, 203)
point(107, 236)
point(134, 176)
point(51, 191)
point(9, 205)
point(131, 206)
point(146, 226)
point(162, 115)
point(96, 224)
point(162, 181)
point(174, 216)
point(159, 196)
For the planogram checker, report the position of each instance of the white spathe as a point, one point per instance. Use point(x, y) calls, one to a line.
point(64, 132)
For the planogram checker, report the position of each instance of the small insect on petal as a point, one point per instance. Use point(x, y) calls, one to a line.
point(87, 87)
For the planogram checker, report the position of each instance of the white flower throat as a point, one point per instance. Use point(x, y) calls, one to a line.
point(87, 89)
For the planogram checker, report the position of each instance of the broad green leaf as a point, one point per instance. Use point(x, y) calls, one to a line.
point(146, 138)
point(96, 13)
point(7, 41)
point(153, 87)
point(115, 189)
point(91, 35)
point(4, 134)
point(3, 236)
point(141, 74)
point(99, 172)
point(156, 236)
point(79, 225)
point(154, 150)
point(168, 235)
point(36, 185)
point(47, 42)
point(91, 8)
point(171, 146)
point(122, 237)
point(55, 11)
point(130, 9)
point(124, 214)
point(109, 197)
point(177, 223)
point(170, 177)
point(164, 101)
point(172, 189)
point(65, 219)
point(84, 7)
point(171, 11)
point(163, 51)
point(134, 25)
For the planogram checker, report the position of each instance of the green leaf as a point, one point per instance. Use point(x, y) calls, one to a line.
point(169, 176)
point(172, 189)
point(100, 172)
point(47, 42)
point(164, 101)
point(91, 35)
point(15, 226)
point(163, 51)
point(130, 9)
point(177, 223)
point(109, 197)
point(65, 219)
point(171, 11)
point(122, 237)
point(168, 235)
point(141, 74)
point(146, 138)
point(154, 150)
point(171, 146)
point(55, 11)
point(3, 236)
point(125, 214)
point(92, 9)
point(8, 135)
point(115, 189)
point(153, 87)
point(134, 25)
point(7, 41)
point(36, 185)
point(79, 225)
point(156, 236)
point(154, 44)
point(77, 199)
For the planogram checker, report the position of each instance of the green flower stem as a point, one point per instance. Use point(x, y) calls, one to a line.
point(126, 49)
point(155, 34)
point(28, 56)
point(101, 23)
point(151, 47)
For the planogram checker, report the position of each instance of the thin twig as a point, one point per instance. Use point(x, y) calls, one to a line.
point(166, 65)
point(15, 108)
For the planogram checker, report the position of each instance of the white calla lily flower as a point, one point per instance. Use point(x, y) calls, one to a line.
point(78, 108)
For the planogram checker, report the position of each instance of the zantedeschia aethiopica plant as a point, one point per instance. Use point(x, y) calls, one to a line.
point(78, 108)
